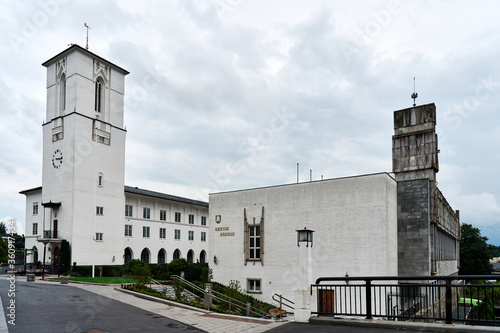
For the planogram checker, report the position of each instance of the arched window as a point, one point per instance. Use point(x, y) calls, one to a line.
point(177, 254)
point(99, 179)
point(145, 255)
point(203, 257)
point(62, 93)
point(128, 255)
point(161, 256)
point(190, 257)
point(99, 95)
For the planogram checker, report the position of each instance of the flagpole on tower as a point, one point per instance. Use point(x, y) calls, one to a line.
point(87, 44)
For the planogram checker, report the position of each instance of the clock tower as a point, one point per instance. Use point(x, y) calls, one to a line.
point(83, 157)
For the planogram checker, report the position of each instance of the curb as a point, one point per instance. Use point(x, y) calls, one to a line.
point(400, 325)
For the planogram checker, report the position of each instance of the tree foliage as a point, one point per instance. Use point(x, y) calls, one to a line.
point(65, 255)
point(3, 229)
point(474, 252)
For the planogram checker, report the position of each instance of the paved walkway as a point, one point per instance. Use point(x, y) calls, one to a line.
point(207, 321)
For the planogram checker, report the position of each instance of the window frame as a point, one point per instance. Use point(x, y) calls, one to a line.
point(146, 232)
point(35, 208)
point(163, 233)
point(178, 217)
point(254, 286)
point(98, 236)
point(99, 210)
point(148, 215)
point(191, 218)
point(254, 249)
point(163, 215)
point(177, 234)
point(203, 220)
point(203, 236)
point(128, 230)
point(191, 235)
point(129, 210)
point(34, 229)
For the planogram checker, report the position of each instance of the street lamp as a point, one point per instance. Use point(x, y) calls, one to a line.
point(305, 235)
point(44, 242)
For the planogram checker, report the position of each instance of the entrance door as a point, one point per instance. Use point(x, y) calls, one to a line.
point(55, 257)
point(326, 301)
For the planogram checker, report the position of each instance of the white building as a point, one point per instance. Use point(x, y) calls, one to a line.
point(354, 224)
point(83, 198)
point(382, 224)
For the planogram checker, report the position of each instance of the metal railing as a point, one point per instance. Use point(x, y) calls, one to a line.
point(423, 298)
point(232, 303)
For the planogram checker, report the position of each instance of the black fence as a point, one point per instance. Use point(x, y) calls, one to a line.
point(471, 299)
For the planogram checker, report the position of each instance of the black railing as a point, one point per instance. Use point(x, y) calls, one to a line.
point(412, 298)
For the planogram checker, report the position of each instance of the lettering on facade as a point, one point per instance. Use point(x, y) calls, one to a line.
point(225, 231)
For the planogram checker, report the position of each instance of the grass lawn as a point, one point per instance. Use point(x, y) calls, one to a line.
point(106, 280)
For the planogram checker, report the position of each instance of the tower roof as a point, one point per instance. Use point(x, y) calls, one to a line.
point(76, 47)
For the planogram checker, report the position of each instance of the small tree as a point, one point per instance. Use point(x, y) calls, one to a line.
point(474, 252)
point(178, 289)
point(65, 255)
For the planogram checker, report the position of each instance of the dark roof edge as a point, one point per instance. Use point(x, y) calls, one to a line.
point(139, 191)
point(81, 49)
point(39, 188)
point(389, 174)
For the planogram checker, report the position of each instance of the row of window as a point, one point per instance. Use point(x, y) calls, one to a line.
point(162, 256)
point(146, 214)
point(146, 233)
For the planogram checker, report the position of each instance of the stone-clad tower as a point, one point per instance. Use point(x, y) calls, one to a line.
point(83, 158)
point(428, 229)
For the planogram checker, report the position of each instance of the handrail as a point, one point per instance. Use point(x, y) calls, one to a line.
point(280, 300)
point(439, 295)
point(222, 297)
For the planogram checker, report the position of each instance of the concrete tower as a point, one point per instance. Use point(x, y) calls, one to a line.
point(83, 157)
point(428, 229)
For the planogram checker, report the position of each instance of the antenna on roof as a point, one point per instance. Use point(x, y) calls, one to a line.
point(414, 95)
point(87, 44)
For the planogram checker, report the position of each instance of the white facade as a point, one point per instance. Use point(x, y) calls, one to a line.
point(82, 197)
point(355, 232)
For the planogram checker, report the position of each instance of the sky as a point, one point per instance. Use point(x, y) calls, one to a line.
point(231, 94)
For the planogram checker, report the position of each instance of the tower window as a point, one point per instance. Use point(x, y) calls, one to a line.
point(98, 236)
point(191, 219)
point(62, 92)
point(177, 217)
point(99, 95)
point(99, 210)
point(35, 208)
point(99, 179)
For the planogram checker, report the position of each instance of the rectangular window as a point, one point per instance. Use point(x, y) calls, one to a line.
point(35, 208)
point(128, 210)
point(254, 242)
point(98, 236)
point(203, 236)
point(35, 228)
point(146, 213)
point(177, 217)
point(163, 233)
point(191, 235)
point(203, 220)
point(177, 234)
point(128, 230)
point(145, 232)
point(191, 219)
point(253, 286)
point(163, 215)
point(99, 210)
point(99, 181)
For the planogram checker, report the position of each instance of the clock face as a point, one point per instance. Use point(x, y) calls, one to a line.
point(57, 159)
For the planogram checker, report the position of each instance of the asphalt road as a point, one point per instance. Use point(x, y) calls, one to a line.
point(62, 308)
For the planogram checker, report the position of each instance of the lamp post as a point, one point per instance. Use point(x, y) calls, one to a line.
point(302, 293)
point(44, 242)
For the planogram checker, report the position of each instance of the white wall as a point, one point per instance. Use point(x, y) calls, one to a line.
point(355, 224)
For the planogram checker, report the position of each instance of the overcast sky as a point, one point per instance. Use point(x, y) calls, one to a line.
point(232, 94)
